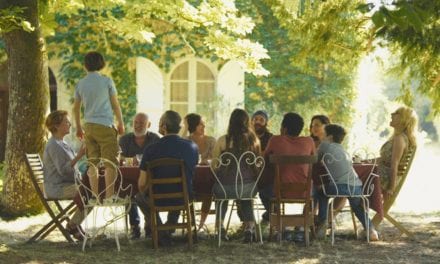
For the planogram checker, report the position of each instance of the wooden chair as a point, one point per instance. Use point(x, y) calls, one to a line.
point(186, 207)
point(59, 214)
point(402, 173)
point(278, 217)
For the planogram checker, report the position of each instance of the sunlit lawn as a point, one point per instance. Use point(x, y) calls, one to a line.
point(392, 249)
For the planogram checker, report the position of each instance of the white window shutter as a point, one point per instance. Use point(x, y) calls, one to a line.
point(230, 88)
point(150, 91)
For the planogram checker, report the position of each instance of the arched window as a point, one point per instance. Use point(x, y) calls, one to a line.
point(192, 88)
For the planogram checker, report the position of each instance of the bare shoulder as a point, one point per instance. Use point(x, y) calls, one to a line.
point(400, 140)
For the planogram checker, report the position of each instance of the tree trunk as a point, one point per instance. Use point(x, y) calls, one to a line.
point(28, 105)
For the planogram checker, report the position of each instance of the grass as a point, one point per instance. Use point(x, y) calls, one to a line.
point(392, 249)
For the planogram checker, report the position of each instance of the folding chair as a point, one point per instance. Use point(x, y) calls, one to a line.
point(180, 196)
point(402, 173)
point(58, 215)
point(280, 218)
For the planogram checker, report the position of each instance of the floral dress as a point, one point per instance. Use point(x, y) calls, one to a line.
point(384, 164)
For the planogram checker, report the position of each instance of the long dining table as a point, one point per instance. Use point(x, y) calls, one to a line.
point(204, 180)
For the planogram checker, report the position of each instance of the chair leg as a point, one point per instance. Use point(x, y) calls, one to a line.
point(306, 226)
point(259, 224)
point(353, 219)
point(234, 205)
point(219, 221)
point(85, 229)
point(154, 234)
point(56, 222)
point(189, 224)
point(399, 226)
point(333, 224)
point(280, 227)
point(312, 219)
point(115, 230)
point(194, 223)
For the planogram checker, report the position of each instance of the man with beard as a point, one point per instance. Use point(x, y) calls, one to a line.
point(132, 144)
point(171, 145)
point(135, 142)
point(259, 121)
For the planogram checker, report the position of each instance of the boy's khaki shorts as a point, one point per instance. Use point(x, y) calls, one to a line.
point(101, 142)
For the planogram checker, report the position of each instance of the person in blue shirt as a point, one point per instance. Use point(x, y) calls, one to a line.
point(346, 181)
point(97, 94)
point(171, 145)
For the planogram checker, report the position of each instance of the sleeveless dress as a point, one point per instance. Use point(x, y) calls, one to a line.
point(384, 164)
point(210, 143)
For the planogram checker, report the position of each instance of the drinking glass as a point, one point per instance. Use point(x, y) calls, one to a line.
point(139, 158)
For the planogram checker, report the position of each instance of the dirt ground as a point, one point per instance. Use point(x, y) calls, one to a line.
point(393, 248)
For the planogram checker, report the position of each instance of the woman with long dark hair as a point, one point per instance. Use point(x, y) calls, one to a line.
point(317, 125)
point(239, 139)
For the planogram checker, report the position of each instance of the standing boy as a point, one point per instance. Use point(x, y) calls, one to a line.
point(97, 94)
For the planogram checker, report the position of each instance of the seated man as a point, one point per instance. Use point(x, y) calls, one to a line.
point(169, 146)
point(341, 169)
point(288, 143)
point(260, 121)
point(132, 144)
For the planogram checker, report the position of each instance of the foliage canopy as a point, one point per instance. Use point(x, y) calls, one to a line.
point(412, 30)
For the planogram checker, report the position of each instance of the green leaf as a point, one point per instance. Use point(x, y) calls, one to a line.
point(378, 19)
point(365, 8)
point(413, 17)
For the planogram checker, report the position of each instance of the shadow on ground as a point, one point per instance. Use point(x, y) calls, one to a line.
point(393, 248)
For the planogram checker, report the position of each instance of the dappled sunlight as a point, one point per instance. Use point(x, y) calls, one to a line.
point(3, 248)
point(394, 247)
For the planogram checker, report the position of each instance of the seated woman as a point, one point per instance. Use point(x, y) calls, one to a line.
point(196, 128)
point(239, 139)
point(346, 179)
point(317, 132)
point(404, 122)
point(317, 125)
point(59, 166)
